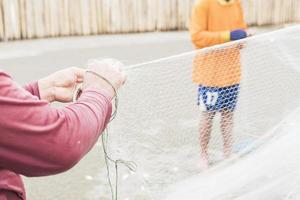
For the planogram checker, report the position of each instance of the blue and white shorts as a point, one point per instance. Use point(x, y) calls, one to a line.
point(218, 98)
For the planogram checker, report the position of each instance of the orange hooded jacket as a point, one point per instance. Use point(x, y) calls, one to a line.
point(211, 23)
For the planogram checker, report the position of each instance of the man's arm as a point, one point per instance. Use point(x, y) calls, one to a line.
point(200, 35)
point(37, 139)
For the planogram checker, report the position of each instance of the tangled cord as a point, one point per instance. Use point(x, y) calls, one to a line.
point(129, 164)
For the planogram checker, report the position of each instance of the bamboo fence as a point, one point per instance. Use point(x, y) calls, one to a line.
point(26, 19)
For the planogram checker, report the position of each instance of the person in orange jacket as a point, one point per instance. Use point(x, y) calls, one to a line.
point(217, 72)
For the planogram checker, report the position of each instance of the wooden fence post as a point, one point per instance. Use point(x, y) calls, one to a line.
point(2, 31)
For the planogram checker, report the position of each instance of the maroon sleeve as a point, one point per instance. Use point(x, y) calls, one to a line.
point(37, 139)
point(11, 186)
point(33, 88)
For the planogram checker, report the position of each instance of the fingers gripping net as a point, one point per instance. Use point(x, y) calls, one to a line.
point(246, 89)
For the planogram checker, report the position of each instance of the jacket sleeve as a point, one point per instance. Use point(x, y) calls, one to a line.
point(200, 35)
point(37, 139)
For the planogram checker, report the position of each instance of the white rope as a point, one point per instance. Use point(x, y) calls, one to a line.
point(129, 164)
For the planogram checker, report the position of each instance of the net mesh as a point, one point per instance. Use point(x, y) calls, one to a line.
point(246, 90)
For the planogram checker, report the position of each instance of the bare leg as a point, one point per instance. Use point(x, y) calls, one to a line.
point(226, 129)
point(205, 132)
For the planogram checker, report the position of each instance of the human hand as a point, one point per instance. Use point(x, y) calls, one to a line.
point(109, 69)
point(60, 86)
point(237, 34)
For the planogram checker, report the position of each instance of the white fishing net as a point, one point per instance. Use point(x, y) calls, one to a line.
point(271, 172)
point(158, 123)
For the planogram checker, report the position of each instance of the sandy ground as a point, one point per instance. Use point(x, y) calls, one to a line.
point(30, 60)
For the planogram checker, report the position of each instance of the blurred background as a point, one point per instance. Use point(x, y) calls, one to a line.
point(35, 41)
point(26, 19)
